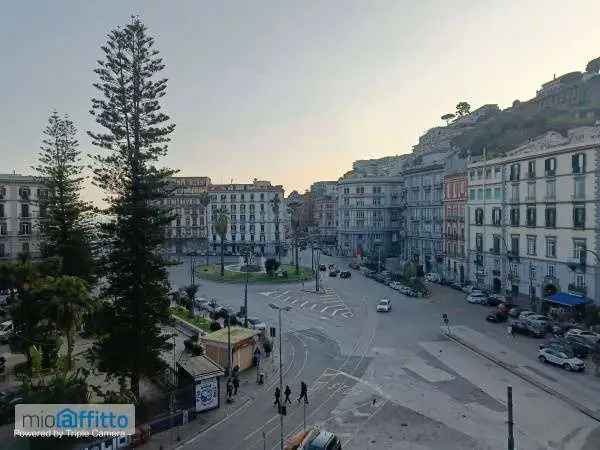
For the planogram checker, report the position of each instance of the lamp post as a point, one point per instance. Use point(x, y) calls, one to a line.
point(279, 309)
point(247, 252)
point(192, 274)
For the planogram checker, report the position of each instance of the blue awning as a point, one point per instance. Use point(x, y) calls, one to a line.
point(562, 298)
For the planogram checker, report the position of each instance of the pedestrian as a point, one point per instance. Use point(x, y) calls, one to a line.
point(236, 385)
point(229, 389)
point(277, 397)
point(287, 393)
point(510, 330)
point(303, 392)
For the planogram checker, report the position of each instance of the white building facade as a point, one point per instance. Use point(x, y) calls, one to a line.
point(532, 216)
point(22, 213)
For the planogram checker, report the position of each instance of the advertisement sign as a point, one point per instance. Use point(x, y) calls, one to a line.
point(207, 394)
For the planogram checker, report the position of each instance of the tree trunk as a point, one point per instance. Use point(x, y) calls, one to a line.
point(222, 259)
point(134, 382)
point(297, 263)
point(70, 344)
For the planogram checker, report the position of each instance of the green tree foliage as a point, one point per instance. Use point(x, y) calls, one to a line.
point(462, 109)
point(136, 136)
point(271, 266)
point(448, 118)
point(190, 293)
point(593, 66)
point(67, 223)
point(221, 229)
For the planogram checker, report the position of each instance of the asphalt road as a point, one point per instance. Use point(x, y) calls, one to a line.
point(391, 380)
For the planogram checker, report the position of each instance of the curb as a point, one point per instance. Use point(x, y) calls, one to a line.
point(578, 406)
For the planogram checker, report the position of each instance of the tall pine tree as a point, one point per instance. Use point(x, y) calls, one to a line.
point(66, 224)
point(136, 136)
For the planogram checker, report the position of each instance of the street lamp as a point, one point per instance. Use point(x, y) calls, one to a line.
point(279, 309)
point(247, 252)
point(192, 274)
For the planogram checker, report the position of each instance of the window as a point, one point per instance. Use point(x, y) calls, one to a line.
point(377, 190)
point(496, 244)
point(550, 167)
point(1, 209)
point(377, 201)
point(578, 163)
point(25, 228)
point(531, 169)
point(2, 251)
point(479, 242)
point(530, 192)
point(479, 194)
point(488, 193)
point(497, 216)
point(551, 217)
point(580, 280)
point(515, 172)
point(471, 194)
point(550, 189)
point(346, 190)
point(514, 217)
point(579, 187)
point(531, 216)
point(360, 190)
point(515, 193)
point(25, 247)
point(498, 193)
point(488, 174)
point(472, 174)
point(3, 228)
point(514, 245)
point(497, 172)
point(478, 216)
point(24, 210)
point(479, 174)
point(551, 271)
point(579, 216)
point(531, 245)
point(550, 247)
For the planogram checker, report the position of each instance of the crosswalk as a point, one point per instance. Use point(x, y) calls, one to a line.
point(326, 303)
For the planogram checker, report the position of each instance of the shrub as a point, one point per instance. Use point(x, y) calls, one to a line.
point(271, 266)
point(215, 326)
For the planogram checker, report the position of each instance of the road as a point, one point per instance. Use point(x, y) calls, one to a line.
point(392, 380)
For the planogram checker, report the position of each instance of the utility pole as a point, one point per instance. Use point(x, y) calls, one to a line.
point(511, 438)
point(317, 270)
point(228, 345)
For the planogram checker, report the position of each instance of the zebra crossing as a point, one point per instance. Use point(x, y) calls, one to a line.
point(326, 303)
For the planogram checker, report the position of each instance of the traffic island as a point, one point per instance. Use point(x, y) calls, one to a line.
point(285, 274)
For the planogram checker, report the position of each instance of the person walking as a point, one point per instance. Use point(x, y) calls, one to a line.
point(277, 397)
point(229, 389)
point(236, 385)
point(510, 331)
point(303, 392)
point(287, 393)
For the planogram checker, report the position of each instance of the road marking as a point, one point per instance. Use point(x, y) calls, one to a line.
point(293, 302)
point(332, 306)
point(285, 299)
point(348, 315)
point(302, 304)
point(334, 312)
point(314, 306)
point(268, 293)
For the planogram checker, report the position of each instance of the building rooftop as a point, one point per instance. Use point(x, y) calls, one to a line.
point(238, 334)
point(198, 366)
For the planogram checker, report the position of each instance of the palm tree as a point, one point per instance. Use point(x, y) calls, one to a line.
point(221, 229)
point(204, 201)
point(69, 300)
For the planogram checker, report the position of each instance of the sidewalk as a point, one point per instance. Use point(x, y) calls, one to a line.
point(248, 393)
point(578, 390)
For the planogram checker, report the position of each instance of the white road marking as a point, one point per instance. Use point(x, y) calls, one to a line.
point(332, 306)
point(314, 306)
point(334, 312)
point(268, 293)
point(302, 304)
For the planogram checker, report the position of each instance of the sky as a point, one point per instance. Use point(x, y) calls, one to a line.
point(288, 91)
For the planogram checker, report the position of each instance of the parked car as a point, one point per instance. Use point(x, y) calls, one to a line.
point(6, 331)
point(353, 265)
point(456, 286)
point(581, 346)
point(540, 320)
point(345, 274)
point(492, 300)
point(384, 305)
point(332, 273)
point(394, 285)
point(525, 314)
point(467, 288)
point(588, 335)
point(433, 277)
point(565, 359)
point(514, 311)
point(322, 267)
point(256, 324)
point(407, 291)
point(529, 328)
point(496, 317)
point(477, 298)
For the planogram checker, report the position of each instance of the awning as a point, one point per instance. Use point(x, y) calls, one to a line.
point(562, 298)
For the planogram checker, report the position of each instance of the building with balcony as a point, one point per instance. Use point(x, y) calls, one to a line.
point(188, 230)
point(324, 212)
point(455, 201)
point(533, 213)
point(22, 212)
point(369, 215)
point(256, 214)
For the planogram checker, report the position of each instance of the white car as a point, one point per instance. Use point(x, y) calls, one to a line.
point(384, 305)
point(525, 314)
point(477, 298)
point(256, 324)
point(433, 277)
point(394, 285)
point(588, 335)
point(561, 358)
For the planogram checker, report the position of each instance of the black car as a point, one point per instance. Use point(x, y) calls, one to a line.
point(496, 317)
point(529, 328)
point(456, 286)
point(345, 274)
point(322, 267)
point(581, 346)
point(492, 300)
point(333, 273)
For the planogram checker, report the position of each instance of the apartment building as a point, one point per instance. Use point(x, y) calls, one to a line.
point(22, 212)
point(369, 215)
point(533, 217)
point(455, 202)
point(188, 201)
point(423, 190)
point(324, 210)
point(256, 214)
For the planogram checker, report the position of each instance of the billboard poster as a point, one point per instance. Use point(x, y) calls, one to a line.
point(207, 394)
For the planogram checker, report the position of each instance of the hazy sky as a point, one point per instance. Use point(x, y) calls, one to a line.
point(290, 91)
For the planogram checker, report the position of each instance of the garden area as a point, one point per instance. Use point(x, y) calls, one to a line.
point(201, 322)
point(284, 274)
